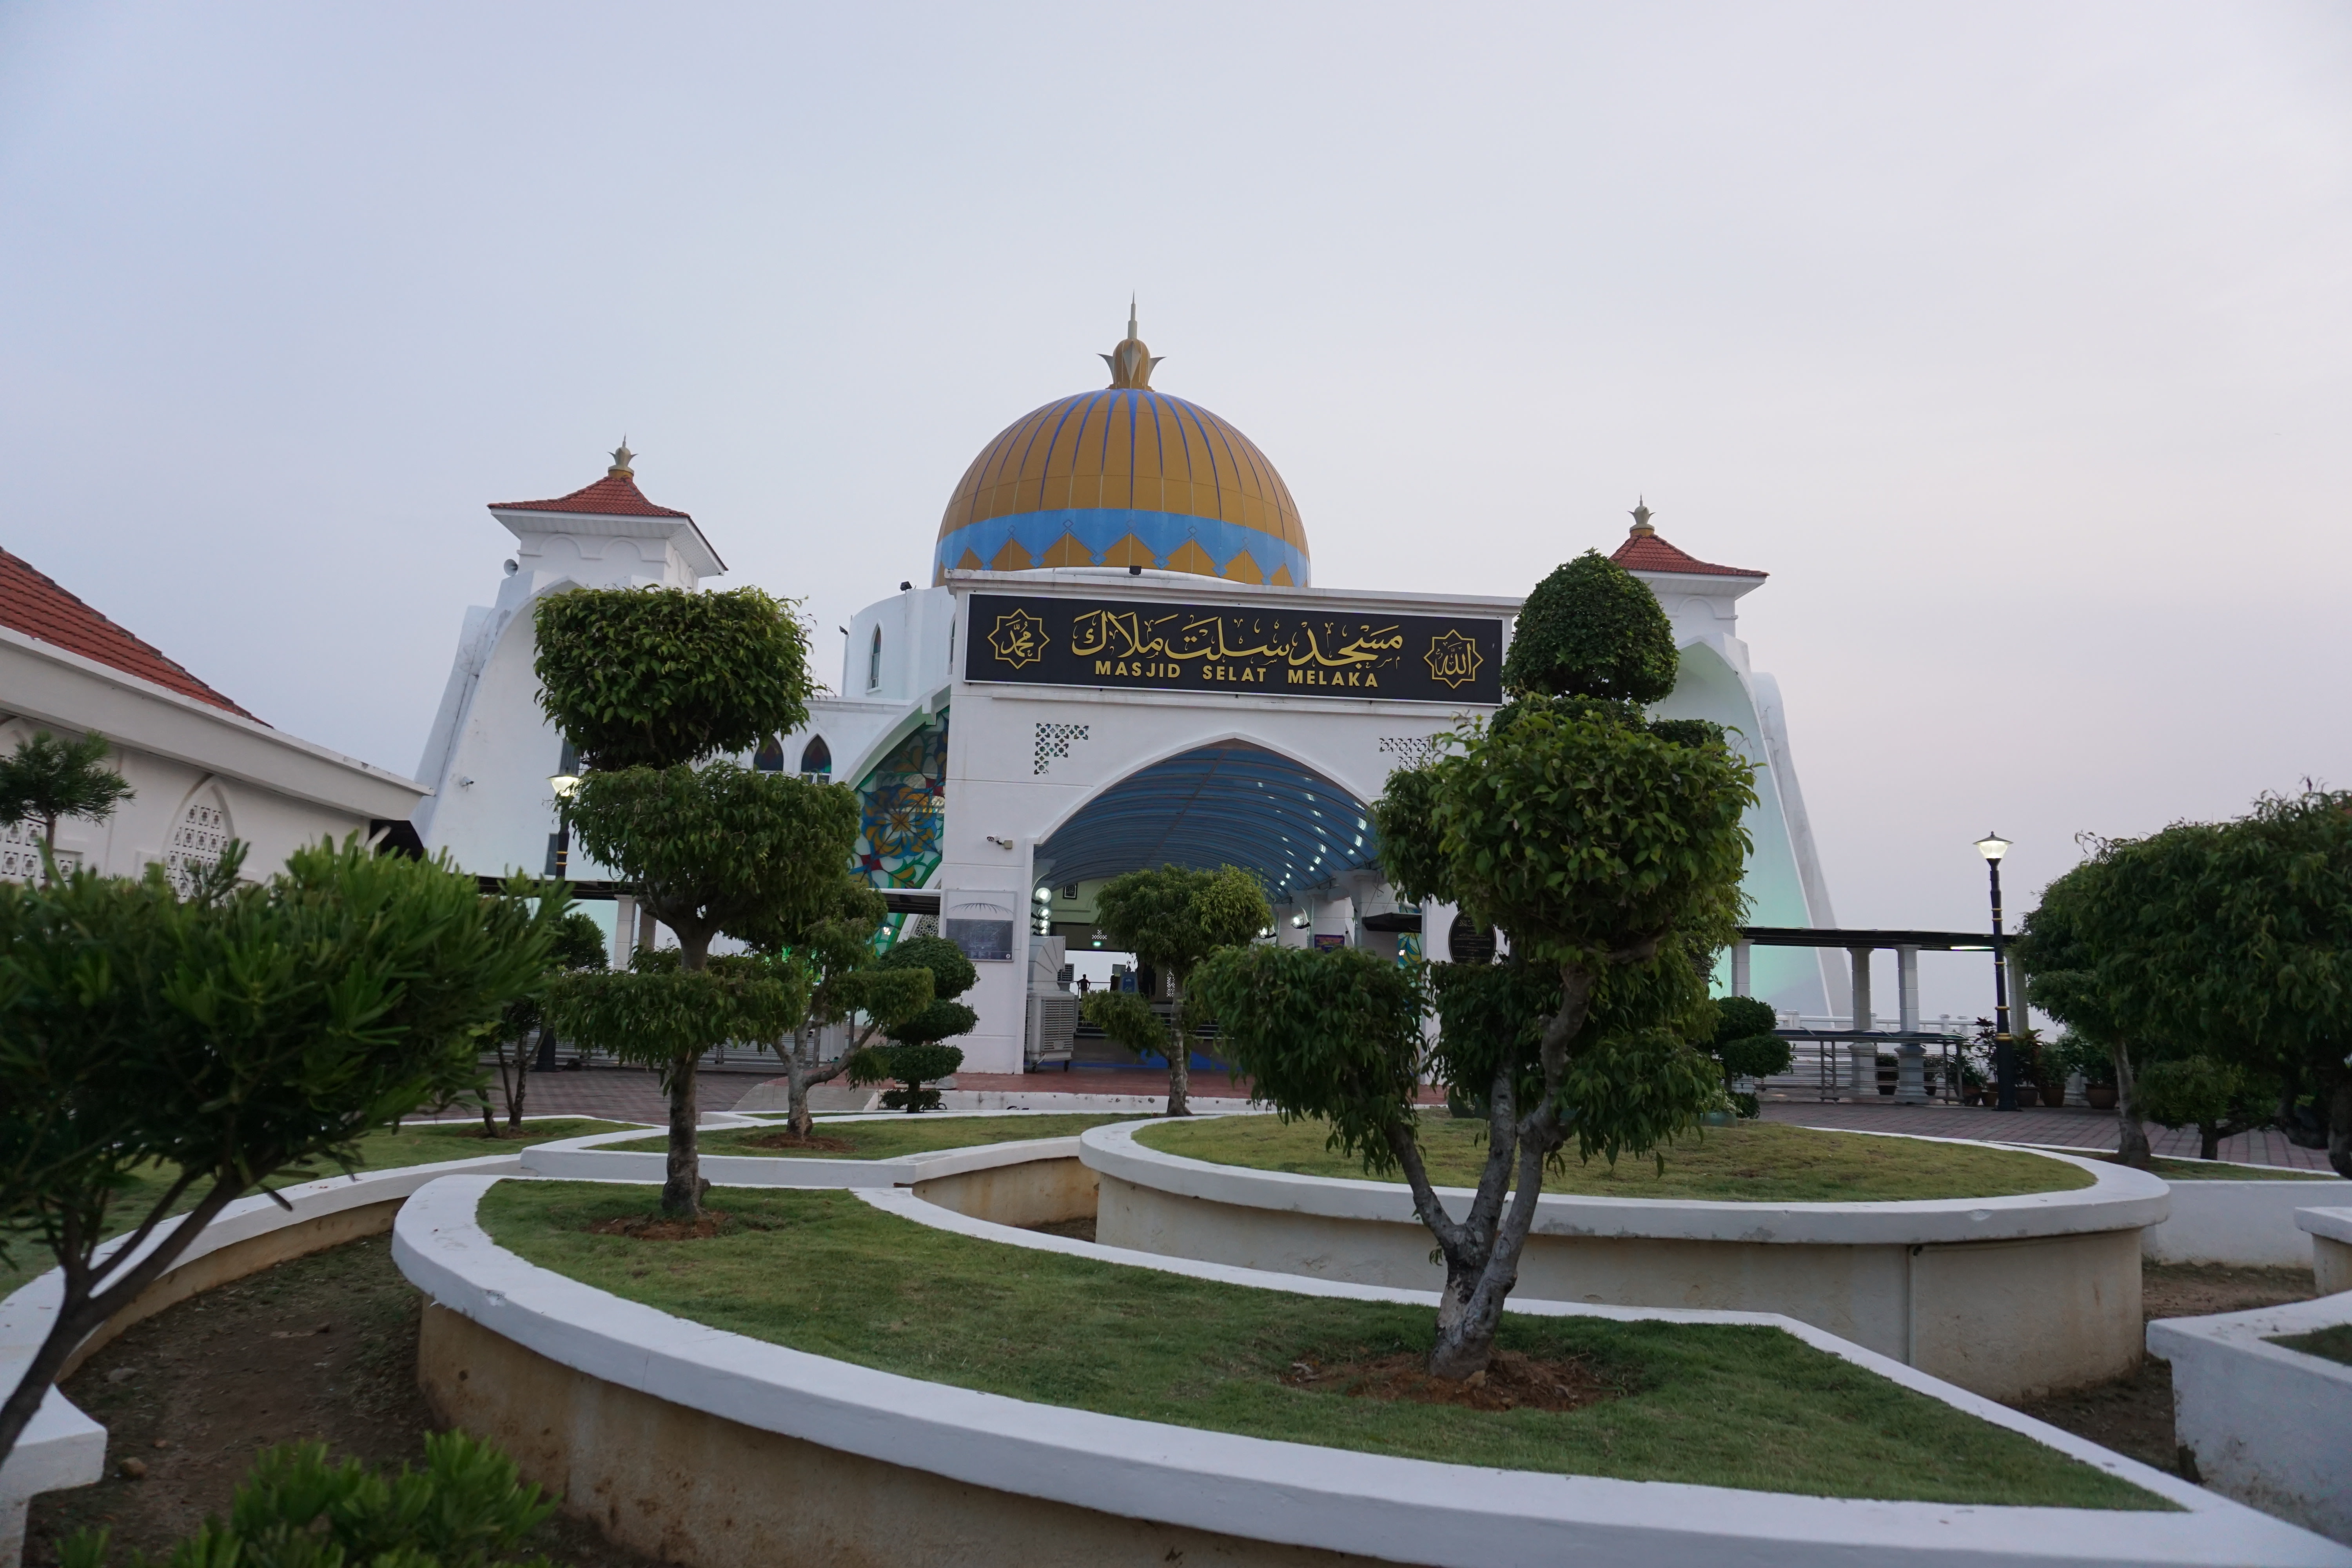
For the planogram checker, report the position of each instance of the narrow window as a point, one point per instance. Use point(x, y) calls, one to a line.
point(769, 757)
point(874, 662)
point(816, 760)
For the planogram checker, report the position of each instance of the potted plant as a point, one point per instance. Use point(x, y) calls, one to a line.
point(2097, 1067)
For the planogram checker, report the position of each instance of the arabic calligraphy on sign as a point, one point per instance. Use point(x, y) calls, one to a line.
point(1019, 639)
point(1286, 649)
point(1454, 659)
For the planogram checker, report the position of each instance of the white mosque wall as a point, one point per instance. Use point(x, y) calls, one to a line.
point(200, 774)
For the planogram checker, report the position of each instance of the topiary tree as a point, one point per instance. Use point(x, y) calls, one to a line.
point(1609, 853)
point(855, 986)
point(2066, 958)
point(2219, 1100)
point(652, 677)
point(1172, 919)
point(646, 683)
point(234, 1035)
point(915, 1055)
point(47, 778)
point(1592, 629)
point(1745, 1043)
point(579, 944)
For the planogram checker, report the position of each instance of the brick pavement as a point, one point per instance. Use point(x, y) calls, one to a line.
point(620, 1094)
point(2066, 1127)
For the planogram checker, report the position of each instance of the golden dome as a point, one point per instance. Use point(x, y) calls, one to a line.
point(1125, 477)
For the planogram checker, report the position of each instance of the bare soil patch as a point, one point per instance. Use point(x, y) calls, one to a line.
point(323, 1347)
point(815, 1144)
point(2133, 1414)
point(1511, 1381)
point(1080, 1229)
point(655, 1227)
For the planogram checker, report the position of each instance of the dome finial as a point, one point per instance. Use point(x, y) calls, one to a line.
point(1130, 363)
point(622, 458)
point(1640, 514)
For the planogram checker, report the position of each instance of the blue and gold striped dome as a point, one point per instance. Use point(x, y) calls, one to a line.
point(1125, 477)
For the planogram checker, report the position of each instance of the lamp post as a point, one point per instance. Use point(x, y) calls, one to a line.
point(1992, 846)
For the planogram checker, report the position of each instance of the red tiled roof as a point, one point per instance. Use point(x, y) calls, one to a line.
point(33, 604)
point(1648, 552)
point(614, 495)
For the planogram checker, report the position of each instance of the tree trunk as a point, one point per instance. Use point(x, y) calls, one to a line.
point(2339, 1129)
point(682, 1189)
point(2131, 1137)
point(490, 1117)
point(2209, 1141)
point(1179, 1073)
point(797, 1120)
point(82, 1313)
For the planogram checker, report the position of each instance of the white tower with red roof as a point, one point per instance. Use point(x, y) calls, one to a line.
point(491, 749)
point(1717, 682)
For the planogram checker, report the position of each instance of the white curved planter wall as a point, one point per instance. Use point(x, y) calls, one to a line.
point(63, 1447)
point(2004, 1296)
point(2243, 1224)
point(717, 1449)
point(2268, 1425)
point(2331, 1246)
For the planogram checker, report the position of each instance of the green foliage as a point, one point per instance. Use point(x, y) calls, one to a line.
point(1334, 1035)
point(466, 1508)
point(1592, 629)
point(1754, 1055)
point(1174, 918)
point(1581, 834)
point(47, 778)
point(913, 1066)
point(1129, 1020)
point(664, 1018)
point(1743, 1018)
point(851, 979)
point(244, 1033)
point(579, 944)
point(656, 678)
point(2190, 1091)
point(952, 973)
point(720, 848)
point(2230, 940)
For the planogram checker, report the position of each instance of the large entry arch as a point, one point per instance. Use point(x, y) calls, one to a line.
point(1230, 804)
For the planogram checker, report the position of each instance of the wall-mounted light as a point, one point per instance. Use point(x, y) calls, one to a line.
point(1300, 920)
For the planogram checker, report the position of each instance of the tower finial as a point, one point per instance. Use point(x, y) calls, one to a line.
point(622, 458)
point(1130, 363)
point(1640, 514)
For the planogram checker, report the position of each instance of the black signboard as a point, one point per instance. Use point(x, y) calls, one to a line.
point(1286, 652)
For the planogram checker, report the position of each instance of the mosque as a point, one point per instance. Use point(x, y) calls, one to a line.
point(1121, 658)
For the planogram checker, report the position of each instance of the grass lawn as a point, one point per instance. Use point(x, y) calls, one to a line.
point(2334, 1343)
point(1715, 1404)
point(387, 1150)
point(1755, 1162)
point(2201, 1170)
point(917, 1134)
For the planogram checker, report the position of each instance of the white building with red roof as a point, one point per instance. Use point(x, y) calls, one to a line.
point(203, 769)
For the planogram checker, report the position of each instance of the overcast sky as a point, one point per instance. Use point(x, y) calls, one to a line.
point(2015, 342)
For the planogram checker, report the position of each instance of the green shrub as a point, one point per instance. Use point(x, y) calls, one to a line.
point(466, 1508)
point(912, 1066)
point(1592, 629)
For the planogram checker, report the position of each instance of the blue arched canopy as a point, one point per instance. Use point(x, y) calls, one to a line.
point(1231, 804)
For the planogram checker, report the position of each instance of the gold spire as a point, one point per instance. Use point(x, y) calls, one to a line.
point(1130, 363)
point(622, 458)
point(1640, 514)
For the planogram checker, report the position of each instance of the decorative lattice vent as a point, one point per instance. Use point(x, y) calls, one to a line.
point(1054, 742)
point(1410, 751)
point(197, 842)
point(20, 853)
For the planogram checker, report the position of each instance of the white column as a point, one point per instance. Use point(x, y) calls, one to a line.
point(1861, 1057)
point(625, 929)
point(1911, 1060)
point(1742, 969)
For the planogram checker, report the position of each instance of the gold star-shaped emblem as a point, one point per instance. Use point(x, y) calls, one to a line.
point(1019, 639)
point(1454, 659)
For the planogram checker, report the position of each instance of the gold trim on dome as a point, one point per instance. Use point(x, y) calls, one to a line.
point(1244, 568)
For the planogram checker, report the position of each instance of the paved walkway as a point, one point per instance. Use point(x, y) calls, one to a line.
point(634, 1094)
point(2068, 1127)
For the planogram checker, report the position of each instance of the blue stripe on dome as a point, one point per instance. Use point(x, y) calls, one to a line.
point(1098, 528)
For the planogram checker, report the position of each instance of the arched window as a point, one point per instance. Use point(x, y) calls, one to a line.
point(769, 757)
point(816, 760)
point(874, 662)
point(197, 839)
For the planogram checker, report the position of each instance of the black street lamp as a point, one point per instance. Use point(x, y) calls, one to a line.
point(1992, 846)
